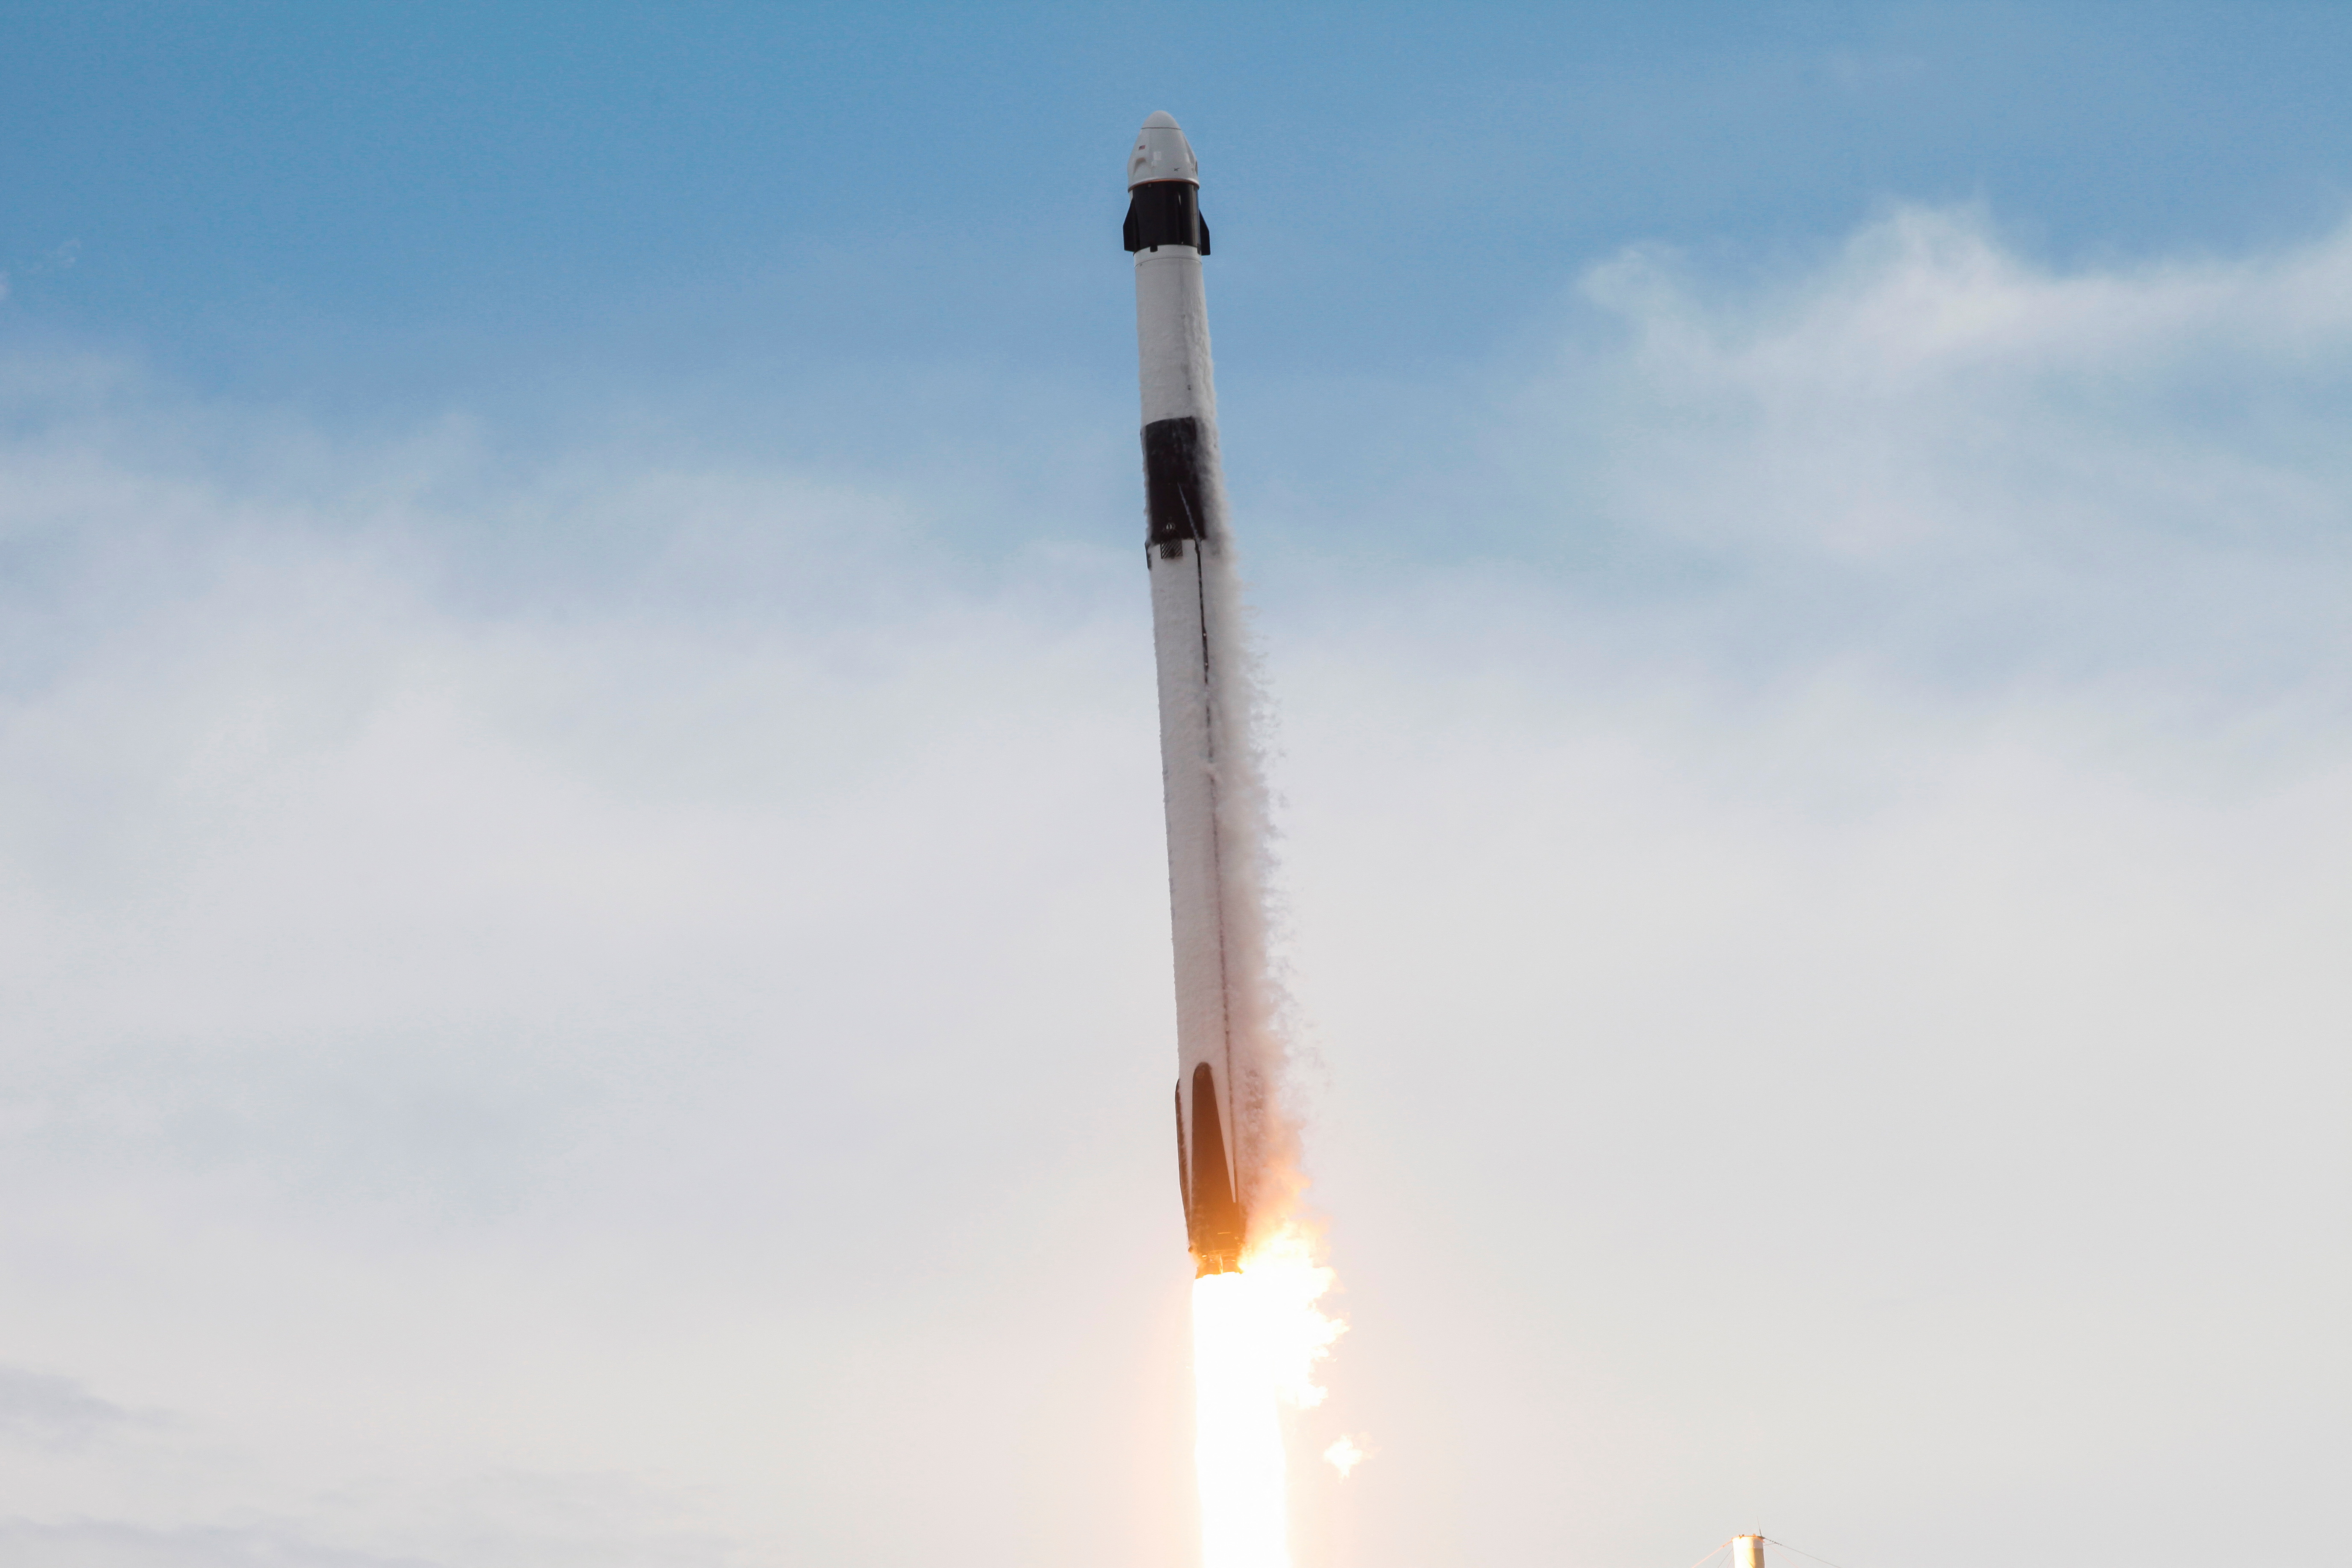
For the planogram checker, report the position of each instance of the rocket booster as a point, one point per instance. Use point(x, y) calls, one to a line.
point(1202, 703)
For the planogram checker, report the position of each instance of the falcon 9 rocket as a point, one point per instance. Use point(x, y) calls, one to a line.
point(1208, 766)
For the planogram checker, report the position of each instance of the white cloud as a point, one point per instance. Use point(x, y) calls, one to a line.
point(1929, 391)
point(480, 1014)
point(1839, 1029)
point(615, 1010)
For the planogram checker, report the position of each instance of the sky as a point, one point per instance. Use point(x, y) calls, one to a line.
point(583, 938)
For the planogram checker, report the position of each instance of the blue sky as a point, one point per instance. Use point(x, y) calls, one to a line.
point(582, 915)
point(436, 202)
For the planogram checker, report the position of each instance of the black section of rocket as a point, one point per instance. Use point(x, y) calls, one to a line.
point(1172, 485)
point(1165, 212)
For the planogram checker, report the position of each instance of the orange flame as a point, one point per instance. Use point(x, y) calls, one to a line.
point(1256, 1336)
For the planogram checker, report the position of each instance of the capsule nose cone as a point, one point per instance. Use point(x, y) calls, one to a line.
point(1161, 153)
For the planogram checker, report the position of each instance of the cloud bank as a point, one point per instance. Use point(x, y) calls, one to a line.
point(613, 1008)
point(1834, 976)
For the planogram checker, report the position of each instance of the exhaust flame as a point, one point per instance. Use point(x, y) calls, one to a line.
point(1256, 1336)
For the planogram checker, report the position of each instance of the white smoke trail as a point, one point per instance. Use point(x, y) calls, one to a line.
point(1267, 1113)
point(1257, 1334)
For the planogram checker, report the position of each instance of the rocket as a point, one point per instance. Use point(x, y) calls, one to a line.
point(1206, 764)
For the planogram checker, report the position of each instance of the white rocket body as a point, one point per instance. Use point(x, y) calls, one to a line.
point(1208, 771)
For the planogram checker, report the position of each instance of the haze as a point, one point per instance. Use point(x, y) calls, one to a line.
point(585, 941)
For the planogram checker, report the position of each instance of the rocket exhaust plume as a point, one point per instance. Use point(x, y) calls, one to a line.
point(1256, 1331)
